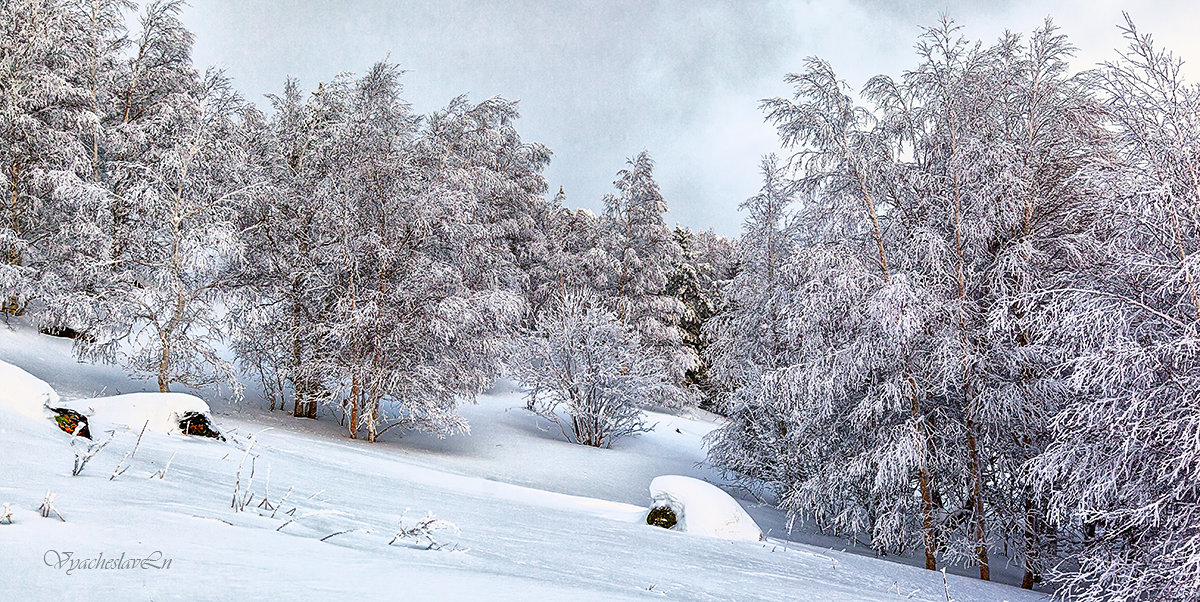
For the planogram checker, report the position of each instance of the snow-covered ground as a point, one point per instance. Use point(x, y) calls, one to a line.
point(538, 517)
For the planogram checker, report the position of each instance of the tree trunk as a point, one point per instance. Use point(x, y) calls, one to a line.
point(12, 306)
point(164, 368)
point(1033, 531)
point(968, 390)
point(300, 407)
point(14, 253)
point(923, 480)
point(299, 383)
point(354, 407)
point(977, 499)
point(373, 421)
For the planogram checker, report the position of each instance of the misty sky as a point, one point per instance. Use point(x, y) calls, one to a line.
point(600, 81)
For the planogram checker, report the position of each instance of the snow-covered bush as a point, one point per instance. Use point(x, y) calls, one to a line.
point(588, 373)
point(156, 412)
point(701, 508)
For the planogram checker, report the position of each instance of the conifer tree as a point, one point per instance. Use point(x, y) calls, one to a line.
point(639, 251)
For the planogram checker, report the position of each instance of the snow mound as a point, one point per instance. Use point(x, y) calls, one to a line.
point(24, 393)
point(703, 508)
point(160, 412)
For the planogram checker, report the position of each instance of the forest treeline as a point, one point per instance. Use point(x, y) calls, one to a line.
point(961, 319)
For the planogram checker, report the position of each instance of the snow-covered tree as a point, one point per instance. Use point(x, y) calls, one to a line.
point(844, 411)
point(705, 264)
point(424, 299)
point(395, 252)
point(639, 252)
point(505, 175)
point(54, 56)
point(180, 204)
point(915, 391)
point(998, 135)
point(572, 261)
point(691, 282)
point(124, 180)
point(588, 372)
point(1122, 463)
point(149, 85)
point(277, 314)
point(748, 335)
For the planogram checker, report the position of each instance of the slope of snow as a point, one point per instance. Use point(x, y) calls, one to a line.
point(703, 509)
point(159, 412)
point(539, 518)
point(24, 393)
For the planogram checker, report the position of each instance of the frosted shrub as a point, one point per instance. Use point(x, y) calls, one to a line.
point(587, 373)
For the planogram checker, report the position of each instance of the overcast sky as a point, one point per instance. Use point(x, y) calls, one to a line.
point(599, 81)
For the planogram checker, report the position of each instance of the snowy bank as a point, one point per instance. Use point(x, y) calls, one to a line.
point(703, 509)
point(24, 393)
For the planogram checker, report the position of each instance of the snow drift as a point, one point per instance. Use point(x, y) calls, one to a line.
point(24, 393)
point(703, 509)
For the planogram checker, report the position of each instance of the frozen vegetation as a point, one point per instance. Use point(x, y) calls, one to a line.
point(702, 508)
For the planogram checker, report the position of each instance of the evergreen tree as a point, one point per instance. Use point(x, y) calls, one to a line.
point(690, 283)
point(639, 251)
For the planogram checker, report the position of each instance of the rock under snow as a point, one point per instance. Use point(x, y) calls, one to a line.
point(24, 393)
point(703, 508)
point(160, 412)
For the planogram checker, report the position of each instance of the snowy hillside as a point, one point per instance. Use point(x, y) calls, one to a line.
point(538, 517)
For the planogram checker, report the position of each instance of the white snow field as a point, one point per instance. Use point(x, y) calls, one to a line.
point(539, 518)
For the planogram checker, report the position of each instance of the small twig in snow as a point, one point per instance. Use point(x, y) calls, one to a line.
point(344, 532)
point(211, 518)
point(279, 504)
point(427, 532)
point(48, 506)
point(308, 514)
point(162, 473)
point(241, 500)
point(122, 466)
point(86, 450)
